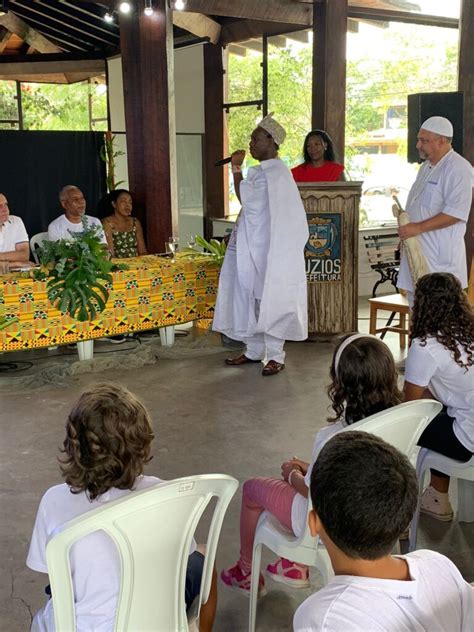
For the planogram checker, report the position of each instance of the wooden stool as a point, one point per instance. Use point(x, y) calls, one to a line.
point(396, 304)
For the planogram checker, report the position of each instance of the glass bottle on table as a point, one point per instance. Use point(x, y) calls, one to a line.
point(173, 244)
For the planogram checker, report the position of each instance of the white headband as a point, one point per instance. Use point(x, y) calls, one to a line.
point(345, 344)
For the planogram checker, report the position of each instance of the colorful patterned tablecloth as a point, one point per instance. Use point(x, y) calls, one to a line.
point(152, 292)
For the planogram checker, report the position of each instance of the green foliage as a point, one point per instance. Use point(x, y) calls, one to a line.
point(214, 247)
point(8, 104)
point(78, 271)
point(372, 86)
point(53, 106)
point(108, 154)
point(6, 322)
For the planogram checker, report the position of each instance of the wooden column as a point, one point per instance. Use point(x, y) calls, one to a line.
point(466, 85)
point(214, 132)
point(329, 70)
point(147, 65)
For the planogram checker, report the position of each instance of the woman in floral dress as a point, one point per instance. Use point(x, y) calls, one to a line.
point(123, 232)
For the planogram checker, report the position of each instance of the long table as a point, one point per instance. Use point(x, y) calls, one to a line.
point(153, 292)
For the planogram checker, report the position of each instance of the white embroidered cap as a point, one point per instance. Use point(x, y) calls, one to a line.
point(276, 131)
point(438, 125)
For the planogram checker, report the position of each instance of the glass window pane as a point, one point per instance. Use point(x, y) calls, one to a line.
point(384, 65)
point(56, 106)
point(289, 89)
point(8, 104)
point(445, 8)
point(98, 97)
point(241, 122)
point(244, 71)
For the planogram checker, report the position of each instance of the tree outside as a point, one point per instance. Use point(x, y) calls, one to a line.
point(55, 107)
point(384, 65)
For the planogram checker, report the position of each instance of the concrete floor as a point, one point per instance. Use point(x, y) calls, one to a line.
point(207, 418)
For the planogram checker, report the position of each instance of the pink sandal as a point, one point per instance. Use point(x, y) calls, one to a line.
point(289, 573)
point(234, 579)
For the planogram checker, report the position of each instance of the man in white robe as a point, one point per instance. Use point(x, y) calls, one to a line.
point(262, 297)
point(438, 205)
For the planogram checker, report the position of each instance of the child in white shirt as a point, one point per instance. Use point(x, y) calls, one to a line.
point(364, 493)
point(108, 441)
point(440, 365)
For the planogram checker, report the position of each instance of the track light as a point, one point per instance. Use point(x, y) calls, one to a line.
point(148, 8)
point(179, 5)
point(109, 17)
point(125, 7)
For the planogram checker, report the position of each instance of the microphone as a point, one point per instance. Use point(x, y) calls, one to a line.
point(221, 163)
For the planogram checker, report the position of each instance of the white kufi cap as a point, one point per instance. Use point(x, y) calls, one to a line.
point(276, 131)
point(438, 125)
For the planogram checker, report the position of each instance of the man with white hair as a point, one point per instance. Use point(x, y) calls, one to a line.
point(438, 205)
point(262, 297)
point(74, 205)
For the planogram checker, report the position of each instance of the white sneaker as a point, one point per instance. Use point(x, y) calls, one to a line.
point(436, 504)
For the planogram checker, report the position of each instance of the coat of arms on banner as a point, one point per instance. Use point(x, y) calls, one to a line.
point(323, 249)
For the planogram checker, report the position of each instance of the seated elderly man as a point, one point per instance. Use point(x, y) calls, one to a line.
point(74, 205)
point(14, 242)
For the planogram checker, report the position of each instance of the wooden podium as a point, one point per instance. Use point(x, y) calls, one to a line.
point(331, 256)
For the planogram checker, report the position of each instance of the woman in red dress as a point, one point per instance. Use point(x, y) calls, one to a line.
point(319, 161)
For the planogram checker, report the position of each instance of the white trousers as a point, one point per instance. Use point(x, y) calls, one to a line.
point(263, 346)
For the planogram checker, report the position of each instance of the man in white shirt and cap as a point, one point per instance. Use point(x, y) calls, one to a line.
point(14, 242)
point(262, 297)
point(438, 205)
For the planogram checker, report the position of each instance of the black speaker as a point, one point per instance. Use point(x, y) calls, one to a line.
point(425, 104)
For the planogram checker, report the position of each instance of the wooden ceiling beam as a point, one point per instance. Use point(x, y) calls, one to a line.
point(49, 77)
point(242, 30)
point(19, 27)
point(5, 35)
point(17, 70)
point(198, 24)
point(269, 10)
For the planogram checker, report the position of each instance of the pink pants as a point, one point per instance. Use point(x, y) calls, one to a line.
point(262, 494)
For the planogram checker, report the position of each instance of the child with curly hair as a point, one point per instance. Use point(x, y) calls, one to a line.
point(363, 382)
point(107, 444)
point(440, 365)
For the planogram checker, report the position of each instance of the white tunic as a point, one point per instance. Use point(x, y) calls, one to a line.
point(435, 599)
point(443, 188)
point(265, 260)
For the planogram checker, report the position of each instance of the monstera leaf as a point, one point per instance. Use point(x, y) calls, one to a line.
point(78, 271)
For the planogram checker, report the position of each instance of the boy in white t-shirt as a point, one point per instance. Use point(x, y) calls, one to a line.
point(364, 493)
point(108, 441)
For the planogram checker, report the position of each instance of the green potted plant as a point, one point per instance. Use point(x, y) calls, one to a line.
point(78, 272)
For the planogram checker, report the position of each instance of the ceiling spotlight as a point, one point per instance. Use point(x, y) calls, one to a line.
point(148, 8)
point(179, 5)
point(109, 17)
point(125, 7)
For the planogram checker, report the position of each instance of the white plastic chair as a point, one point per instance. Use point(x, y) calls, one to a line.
point(152, 530)
point(464, 472)
point(35, 242)
point(401, 426)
